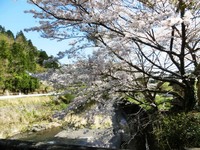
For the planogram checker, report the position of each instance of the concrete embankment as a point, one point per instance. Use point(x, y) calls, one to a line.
point(6, 97)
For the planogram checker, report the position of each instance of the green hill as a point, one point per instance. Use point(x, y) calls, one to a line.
point(18, 56)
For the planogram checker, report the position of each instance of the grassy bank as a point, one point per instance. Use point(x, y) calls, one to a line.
point(21, 114)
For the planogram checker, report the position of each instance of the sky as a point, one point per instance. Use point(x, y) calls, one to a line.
point(12, 17)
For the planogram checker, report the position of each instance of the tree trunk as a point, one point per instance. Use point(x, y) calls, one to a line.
point(189, 96)
point(198, 90)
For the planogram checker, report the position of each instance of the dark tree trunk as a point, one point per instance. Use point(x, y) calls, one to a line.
point(198, 90)
point(189, 96)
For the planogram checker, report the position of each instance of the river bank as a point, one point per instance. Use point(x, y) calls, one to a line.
point(28, 114)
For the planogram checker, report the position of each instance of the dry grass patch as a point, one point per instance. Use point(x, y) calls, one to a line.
point(25, 100)
point(20, 114)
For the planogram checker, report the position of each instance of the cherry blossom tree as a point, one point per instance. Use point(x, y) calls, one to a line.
point(135, 41)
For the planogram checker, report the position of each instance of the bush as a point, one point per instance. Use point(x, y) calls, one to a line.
point(67, 98)
point(178, 131)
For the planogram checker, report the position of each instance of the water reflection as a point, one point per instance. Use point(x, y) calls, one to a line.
point(40, 136)
point(48, 136)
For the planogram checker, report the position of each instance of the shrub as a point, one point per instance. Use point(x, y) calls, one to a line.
point(178, 131)
point(67, 98)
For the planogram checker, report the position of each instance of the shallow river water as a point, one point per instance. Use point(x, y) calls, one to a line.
point(40, 136)
point(48, 136)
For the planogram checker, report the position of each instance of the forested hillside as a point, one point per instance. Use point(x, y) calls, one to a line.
point(18, 58)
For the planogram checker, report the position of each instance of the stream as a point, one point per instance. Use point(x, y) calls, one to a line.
point(40, 136)
point(81, 137)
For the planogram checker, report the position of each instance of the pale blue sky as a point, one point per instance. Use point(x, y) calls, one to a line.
point(13, 18)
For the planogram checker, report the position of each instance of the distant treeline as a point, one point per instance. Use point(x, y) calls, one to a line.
point(18, 58)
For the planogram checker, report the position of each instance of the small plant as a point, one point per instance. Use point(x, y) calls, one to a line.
point(67, 98)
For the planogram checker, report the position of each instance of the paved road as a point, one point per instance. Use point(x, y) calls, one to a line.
point(19, 96)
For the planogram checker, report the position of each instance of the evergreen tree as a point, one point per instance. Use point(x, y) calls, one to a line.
point(42, 56)
point(2, 29)
point(10, 34)
point(20, 37)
